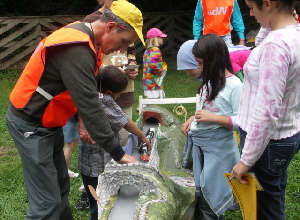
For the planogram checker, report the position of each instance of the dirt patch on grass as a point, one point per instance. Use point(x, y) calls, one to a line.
point(4, 150)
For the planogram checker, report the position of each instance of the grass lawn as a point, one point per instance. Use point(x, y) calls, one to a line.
point(13, 199)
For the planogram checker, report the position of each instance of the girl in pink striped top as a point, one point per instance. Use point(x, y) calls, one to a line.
point(269, 110)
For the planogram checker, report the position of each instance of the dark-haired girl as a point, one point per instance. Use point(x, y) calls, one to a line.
point(269, 113)
point(215, 150)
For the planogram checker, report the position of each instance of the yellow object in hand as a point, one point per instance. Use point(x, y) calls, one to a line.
point(237, 137)
point(245, 194)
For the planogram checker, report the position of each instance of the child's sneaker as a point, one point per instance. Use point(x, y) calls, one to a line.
point(72, 174)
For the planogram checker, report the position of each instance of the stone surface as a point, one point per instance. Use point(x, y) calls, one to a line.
point(166, 191)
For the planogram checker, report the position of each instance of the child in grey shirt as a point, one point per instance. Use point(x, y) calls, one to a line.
point(92, 158)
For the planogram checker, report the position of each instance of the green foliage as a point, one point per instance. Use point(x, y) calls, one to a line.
point(9, 74)
point(7, 78)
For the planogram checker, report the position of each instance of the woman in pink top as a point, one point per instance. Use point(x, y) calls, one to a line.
point(269, 112)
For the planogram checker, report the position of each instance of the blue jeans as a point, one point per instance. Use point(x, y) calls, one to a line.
point(271, 172)
point(187, 150)
point(93, 181)
point(70, 130)
point(202, 209)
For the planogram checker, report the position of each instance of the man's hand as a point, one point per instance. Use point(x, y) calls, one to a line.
point(83, 133)
point(239, 170)
point(132, 74)
point(187, 125)
point(127, 159)
point(149, 147)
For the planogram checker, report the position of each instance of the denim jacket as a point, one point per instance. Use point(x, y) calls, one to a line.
point(215, 152)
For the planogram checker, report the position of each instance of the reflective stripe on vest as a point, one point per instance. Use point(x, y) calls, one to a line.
point(44, 93)
point(60, 107)
point(217, 16)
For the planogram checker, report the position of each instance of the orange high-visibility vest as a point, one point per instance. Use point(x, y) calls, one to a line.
point(60, 107)
point(217, 14)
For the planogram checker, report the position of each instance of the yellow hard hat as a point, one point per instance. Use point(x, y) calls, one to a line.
point(130, 14)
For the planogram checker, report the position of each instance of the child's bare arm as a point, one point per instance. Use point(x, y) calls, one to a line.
point(204, 116)
point(187, 125)
point(133, 128)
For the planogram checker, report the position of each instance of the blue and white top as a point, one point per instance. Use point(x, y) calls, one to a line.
point(226, 103)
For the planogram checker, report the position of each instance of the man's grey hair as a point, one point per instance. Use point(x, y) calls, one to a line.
point(108, 15)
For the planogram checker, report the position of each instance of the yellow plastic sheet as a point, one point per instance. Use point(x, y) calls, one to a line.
point(237, 137)
point(246, 195)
